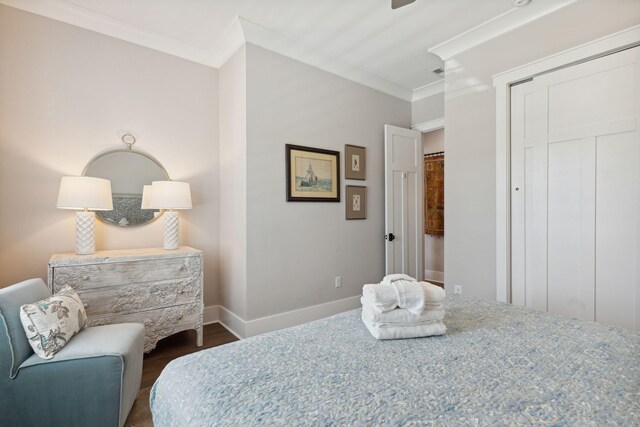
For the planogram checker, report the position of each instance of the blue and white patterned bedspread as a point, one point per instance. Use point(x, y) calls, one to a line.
point(497, 365)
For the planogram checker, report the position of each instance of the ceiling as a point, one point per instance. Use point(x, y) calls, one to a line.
point(384, 48)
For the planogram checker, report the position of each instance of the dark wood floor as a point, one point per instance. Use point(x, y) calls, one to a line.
point(168, 349)
point(178, 345)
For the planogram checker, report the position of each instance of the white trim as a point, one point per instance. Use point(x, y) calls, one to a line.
point(247, 328)
point(428, 90)
point(63, 11)
point(429, 126)
point(495, 27)
point(270, 40)
point(240, 31)
point(502, 82)
point(434, 276)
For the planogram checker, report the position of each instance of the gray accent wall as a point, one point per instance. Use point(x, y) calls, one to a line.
point(295, 249)
point(470, 123)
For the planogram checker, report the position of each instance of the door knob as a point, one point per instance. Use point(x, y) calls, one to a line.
point(390, 237)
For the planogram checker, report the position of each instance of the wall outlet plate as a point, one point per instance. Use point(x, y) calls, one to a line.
point(457, 289)
point(338, 281)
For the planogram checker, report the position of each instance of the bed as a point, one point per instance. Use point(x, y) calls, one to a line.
point(498, 364)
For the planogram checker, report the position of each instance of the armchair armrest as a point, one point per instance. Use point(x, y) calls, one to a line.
point(93, 380)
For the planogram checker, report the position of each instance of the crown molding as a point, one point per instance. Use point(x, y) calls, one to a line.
point(89, 20)
point(429, 126)
point(495, 27)
point(428, 90)
point(239, 32)
point(263, 37)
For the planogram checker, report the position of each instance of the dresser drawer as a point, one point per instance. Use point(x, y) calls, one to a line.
point(138, 297)
point(93, 276)
point(158, 323)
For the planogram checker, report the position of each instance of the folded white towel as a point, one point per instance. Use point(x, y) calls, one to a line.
point(390, 278)
point(400, 332)
point(399, 316)
point(403, 294)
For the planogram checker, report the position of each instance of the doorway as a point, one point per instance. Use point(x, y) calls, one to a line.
point(434, 164)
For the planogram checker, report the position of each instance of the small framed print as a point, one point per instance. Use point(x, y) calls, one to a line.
point(356, 202)
point(355, 162)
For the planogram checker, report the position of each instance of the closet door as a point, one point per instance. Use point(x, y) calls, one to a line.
point(576, 225)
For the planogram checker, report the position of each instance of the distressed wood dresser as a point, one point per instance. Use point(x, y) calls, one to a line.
point(160, 288)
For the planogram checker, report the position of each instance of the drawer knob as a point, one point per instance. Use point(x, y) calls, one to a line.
point(85, 278)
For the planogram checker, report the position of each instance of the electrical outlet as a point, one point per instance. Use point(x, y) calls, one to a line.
point(457, 289)
point(338, 281)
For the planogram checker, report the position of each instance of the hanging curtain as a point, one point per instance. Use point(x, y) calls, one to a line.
point(434, 194)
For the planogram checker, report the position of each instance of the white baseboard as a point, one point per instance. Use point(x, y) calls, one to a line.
point(247, 328)
point(436, 276)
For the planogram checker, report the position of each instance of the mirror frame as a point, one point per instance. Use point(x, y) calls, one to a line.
point(127, 150)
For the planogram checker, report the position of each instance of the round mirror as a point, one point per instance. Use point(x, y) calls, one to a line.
point(129, 171)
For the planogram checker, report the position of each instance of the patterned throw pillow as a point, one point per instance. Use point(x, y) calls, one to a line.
point(50, 323)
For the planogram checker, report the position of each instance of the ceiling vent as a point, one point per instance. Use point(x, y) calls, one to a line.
point(438, 72)
point(521, 3)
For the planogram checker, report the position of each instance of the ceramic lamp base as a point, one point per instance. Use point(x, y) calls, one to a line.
point(85, 233)
point(171, 232)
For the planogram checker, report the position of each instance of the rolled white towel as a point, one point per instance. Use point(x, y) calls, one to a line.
point(390, 278)
point(414, 296)
point(400, 316)
point(382, 297)
point(401, 332)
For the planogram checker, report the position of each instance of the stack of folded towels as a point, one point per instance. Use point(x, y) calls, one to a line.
point(401, 307)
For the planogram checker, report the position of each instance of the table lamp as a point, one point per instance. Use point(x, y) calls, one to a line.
point(170, 195)
point(86, 193)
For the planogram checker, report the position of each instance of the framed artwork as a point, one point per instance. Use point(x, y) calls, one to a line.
point(313, 174)
point(355, 162)
point(434, 194)
point(356, 202)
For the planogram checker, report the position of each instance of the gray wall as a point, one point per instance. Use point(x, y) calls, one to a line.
point(65, 93)
point(470, 129)
point(294, 250)
point(427, 109)
point(233, 184)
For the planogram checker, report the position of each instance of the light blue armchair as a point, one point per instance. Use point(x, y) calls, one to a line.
point(92, 381)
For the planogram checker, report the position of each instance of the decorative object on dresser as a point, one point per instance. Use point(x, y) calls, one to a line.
point(83, 192)
point(129, 171)
point(355, 162)
point(158, 288)
point(170, 195)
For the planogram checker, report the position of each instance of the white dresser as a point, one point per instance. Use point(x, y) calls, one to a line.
point(160, 288)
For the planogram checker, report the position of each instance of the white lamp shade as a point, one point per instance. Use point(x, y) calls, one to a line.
point(170, 195)
point(85, 192)
point(146, 197)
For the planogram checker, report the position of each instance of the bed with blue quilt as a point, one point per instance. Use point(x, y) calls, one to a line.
point(498, 364)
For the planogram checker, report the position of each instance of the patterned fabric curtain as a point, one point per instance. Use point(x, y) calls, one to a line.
point(434, 195)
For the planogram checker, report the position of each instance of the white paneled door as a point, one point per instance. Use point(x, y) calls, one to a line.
point(404, 220)
point(575, 196)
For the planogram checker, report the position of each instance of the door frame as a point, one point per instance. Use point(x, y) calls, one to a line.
point(502, 82)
